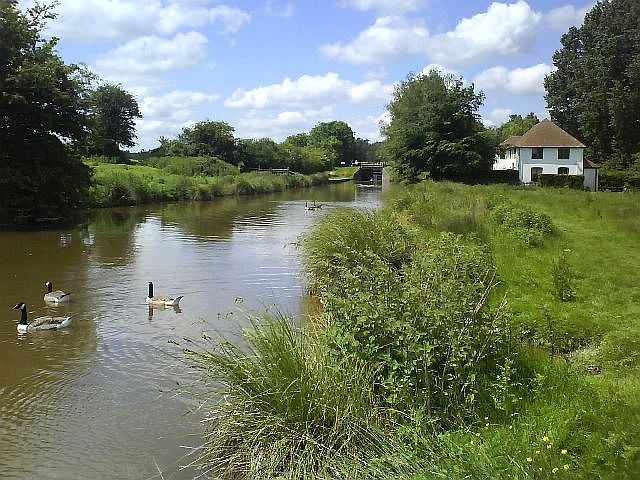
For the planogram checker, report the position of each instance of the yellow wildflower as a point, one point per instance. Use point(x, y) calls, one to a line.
point(554, 470)
point(539, 469)
point(564, 451)
point(545, 439)
point(529, 459)
point(549, 446)
point(537, 452)
point(566, 467)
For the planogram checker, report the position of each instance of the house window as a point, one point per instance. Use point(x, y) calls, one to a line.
point(537, 153)
point(563, 170)
point(535, 172)
point(563, 153)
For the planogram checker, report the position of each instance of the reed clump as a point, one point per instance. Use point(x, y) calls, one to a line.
point(290, 411)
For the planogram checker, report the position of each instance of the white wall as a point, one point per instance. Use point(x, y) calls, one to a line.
point(591, 179)
point(550, 162)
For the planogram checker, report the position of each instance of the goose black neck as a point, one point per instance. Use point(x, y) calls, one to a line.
point(23, 318)
point(150, 290)
point(49, 287)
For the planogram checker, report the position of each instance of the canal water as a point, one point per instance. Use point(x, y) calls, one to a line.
point(108, 398)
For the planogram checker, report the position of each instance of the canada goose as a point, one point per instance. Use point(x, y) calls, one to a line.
point(162, 300)
point(40, 323)
point(309, 207)
point(55, 297)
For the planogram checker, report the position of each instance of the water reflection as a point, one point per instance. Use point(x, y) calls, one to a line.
point(108, 389)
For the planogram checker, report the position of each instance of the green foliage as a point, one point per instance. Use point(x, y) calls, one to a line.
point(336, 139)
point(192, 166)
point(207, 139)
point(595, 92)
point(289, 411)
point(112, 114)
point(562, 275)
point(435, 128)
point(517, 125)
point(560, 181)
point(619, 180)
point(522, 223)
point(263, 153)
point(114, 185)
point(41, 105)
point(416, 311)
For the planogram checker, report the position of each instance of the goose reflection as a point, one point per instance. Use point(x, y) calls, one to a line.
point(176, 309)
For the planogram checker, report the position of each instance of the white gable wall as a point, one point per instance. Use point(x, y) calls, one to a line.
point(549, 163)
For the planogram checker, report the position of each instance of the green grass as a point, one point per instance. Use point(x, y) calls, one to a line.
point(406, 292)
point(290, 412)
point(116, 184)
point(343, 172)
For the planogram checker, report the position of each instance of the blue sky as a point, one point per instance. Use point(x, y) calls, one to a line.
point(272, 68)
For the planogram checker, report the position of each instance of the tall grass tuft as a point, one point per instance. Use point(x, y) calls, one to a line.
point(289, 411)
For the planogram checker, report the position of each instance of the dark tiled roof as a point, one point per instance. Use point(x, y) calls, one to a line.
point(589, 164)
point(512, 141)
point(548, 134)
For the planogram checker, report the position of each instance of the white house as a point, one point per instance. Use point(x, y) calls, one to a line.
point(546, 148)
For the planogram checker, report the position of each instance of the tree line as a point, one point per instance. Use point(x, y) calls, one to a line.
point(325, 146)
point(52, 114)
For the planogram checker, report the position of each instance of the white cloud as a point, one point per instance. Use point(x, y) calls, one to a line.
point(503, 30)
point(497, 117)
point(385, 6)
point(310, 90)
point(258, 124)
point(102, 20)
point(562, 18)
point(167, 114)
point(284, 11)
point(389, 38)
point(442, 70)
point(155, 54)
point(520, 81)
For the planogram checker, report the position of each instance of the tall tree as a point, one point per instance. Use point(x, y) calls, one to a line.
point(517, 125)
point(207, 138)
point(595, 91)
point(41, 113)
point(113, 111)
point(435, 128)
point(337, 139)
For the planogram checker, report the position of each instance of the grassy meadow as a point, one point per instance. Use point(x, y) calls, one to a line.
point(173, 179)
point(465, 332)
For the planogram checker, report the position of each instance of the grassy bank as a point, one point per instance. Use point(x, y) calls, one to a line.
point(491, 331)
point(173, 180)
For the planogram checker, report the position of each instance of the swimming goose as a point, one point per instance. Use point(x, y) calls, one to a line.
point(40, 323)
point(55, 297)
point(162, 300)
point(309, 207)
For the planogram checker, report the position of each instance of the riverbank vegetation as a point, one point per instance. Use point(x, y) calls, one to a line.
point(183, 179)
point(481, 345)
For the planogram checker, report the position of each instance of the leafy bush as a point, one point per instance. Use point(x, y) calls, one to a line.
point(619, 180)
point(417, 313)
point(288, 410)
point(561, 181)
point(522, 223)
